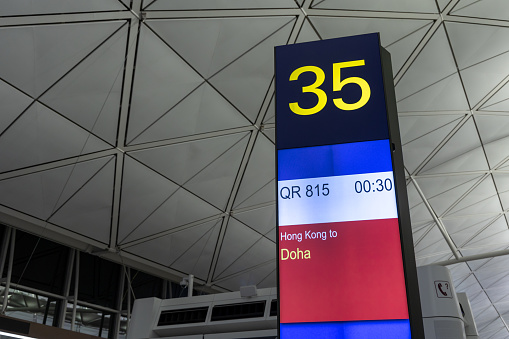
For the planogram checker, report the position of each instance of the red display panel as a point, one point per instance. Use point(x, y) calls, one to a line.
point(356, 275)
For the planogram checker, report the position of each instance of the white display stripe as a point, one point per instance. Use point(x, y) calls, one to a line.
point(334, 199)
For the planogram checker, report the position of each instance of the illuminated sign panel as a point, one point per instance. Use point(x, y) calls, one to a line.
point(343, 270)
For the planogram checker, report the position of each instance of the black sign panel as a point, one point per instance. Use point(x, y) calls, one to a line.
point(337, 98)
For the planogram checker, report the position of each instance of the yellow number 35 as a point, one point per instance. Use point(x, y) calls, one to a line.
point(337, 85)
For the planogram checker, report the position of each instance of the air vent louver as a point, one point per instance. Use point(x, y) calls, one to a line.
point(238, 311)
point(186, 316)
point(273, 308)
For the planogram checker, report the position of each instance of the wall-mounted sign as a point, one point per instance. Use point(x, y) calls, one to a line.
point(443, 289)
point(346, 265)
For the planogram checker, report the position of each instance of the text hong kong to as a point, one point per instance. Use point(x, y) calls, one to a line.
point(287, 236)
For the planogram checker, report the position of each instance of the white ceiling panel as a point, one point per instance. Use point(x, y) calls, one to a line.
point(473, 44)
point(480, 263)
point(401, 49)
point(432, 244)
point(270, 133)
point(189, 250)
point(416, 126)
point(143, 191)
point(493, 235)
point(494, 133)
point(490, 281)
point(162, 79)
point(492, 9)
point(391, 30)
point(203, 110)
point(419, 232)
point(471, 286)
point(417, 149)
point(258, 182)
point(245, 82)
point(270, 114)
point(504, 165)
point(31, 7)
point(492, 127)
point(260, 219)
point(34, 57)
point(252, 277)
point(179, 207)
point(239, 240)
point(495, 265)
point(497, 151)
point(499, 334)
point(480, 52)
point(88, 211)
point(40, 136)
point(182, 161)
point(41, 193)
point(214, 183)
point(433, 64)
point(211, 44)
point(414, 198)
point(200, 166)
point(14, 103)
point(197, 258)
point(459, 272)
point(463, 152)
point(424, 6)
point(269, 280)
point(419, 212)
point(451, 186)
point(479, 301)
point(443, 192)
point(445, 95)
point(399, 37)
point(481, 199)
point(499, 102)
point(259, 253)
point(495, 284)
point(488, 321)
point(90, 94)
point(473, 160)
point(502, 184)
point(482, 78)
point(462, 230)
point(307, 33)
point(264, 194)
point(443, 3)
point(167, 5)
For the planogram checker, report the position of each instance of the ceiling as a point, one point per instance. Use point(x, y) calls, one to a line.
point(144, 130)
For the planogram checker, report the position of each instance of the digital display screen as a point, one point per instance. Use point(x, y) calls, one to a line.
point(341, 273)
point(340, 261)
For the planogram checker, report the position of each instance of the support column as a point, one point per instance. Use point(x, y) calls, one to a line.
point(76, 286)
point(9, 272)
point(3, 251)
point(116, 320)
point(67, 288)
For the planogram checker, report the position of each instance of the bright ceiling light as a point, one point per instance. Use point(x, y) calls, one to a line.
point(11, 335)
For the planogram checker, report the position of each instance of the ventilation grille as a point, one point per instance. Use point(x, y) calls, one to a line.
point(187, 316)
point(238, 311)
point(273, 308)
